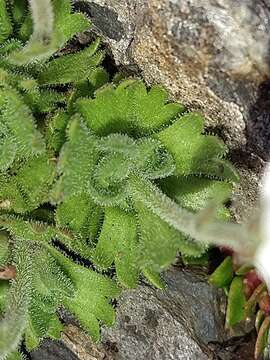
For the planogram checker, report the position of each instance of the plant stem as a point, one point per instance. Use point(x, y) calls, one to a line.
point(201, 227)
point(42, 14)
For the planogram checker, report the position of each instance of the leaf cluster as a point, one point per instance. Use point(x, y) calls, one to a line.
point(89, 173)
point(248, 300)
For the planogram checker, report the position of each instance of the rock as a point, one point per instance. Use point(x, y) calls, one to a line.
point(53, 350)
point(177, 323)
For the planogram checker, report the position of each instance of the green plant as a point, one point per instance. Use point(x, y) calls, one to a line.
point(245, 274)
point(248, 300)
point(93, 176)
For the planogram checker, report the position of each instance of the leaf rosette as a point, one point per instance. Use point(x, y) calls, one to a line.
point(126, 141)
point(93, 177)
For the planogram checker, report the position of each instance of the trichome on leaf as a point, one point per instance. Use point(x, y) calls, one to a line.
point(109, 173)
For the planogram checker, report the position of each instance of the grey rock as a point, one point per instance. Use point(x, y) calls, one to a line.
point(173, 324)
point(53, 350)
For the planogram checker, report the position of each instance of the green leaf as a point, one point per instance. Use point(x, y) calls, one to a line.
point(55, 328)
point(4, 249)
point(118, 243)
point(52, 283)
point(78, 220)
point(111, 170)
point(236, 302)
point(203, 227)
point(35, 178)
point(56, 131)
point(159, 241)
point(50, 286)
point(32, 339)
point(154, 278)
point(73, 67)
point(41, 232)
point(86, 88)
point(29, 187)
point(68, 24)
point(132, 109)
point(153, 160)
point(73, 242)
point(79, 214)
point(16, 356)
point(108, 183)
point(195, 193)
point(202, 260)
point(168, 214)
point(223, 275)
point(54, 25)
point(23, 229)
point(91, 300)
point(42, 322)
point(97, 78)
point(4, 289)
point(193, 152)
point(26, 28)
point(20, 122)
point(77, 158)
point(8, 153)
point(9, 46)
point(19, 11)
point(118, 143)
point(13, 323)
point(244, 269)
point(5, 22)
point(43, 100)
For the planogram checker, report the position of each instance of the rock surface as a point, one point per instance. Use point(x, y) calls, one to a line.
point(175, 324)
point(53, 350)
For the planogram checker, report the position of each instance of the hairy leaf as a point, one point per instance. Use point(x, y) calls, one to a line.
point(5, 22)
point(93, 292)
point(20, 123)
point(53, 25)
point(73, 67)
point(81, 215)
point(56, 131)
point(195, 193)
point(160, 242)
point(118, 243)
point(193, 152)
point(17, 302)
point(76, 161)
point(106, 175)
point(29, 187)
point(132, 109)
